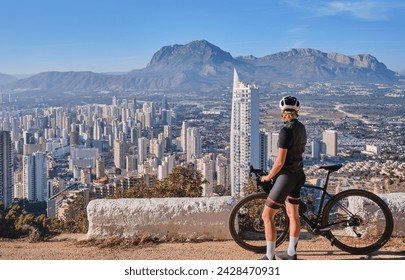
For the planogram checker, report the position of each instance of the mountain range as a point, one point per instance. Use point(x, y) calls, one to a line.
point(202, 66)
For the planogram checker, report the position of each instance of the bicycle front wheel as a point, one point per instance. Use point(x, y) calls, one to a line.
point(246, 224)
point(360, 222)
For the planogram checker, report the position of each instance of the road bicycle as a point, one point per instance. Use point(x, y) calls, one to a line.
point(354, 220)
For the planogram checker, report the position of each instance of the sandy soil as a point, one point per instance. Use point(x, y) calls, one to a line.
point(77, 247)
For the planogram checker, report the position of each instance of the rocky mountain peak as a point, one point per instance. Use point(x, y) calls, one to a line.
point(195, 52)
point(305, 52)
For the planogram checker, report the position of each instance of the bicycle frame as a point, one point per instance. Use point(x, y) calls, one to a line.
point(316, 225)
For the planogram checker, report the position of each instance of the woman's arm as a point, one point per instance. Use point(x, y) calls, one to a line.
point(278, 164)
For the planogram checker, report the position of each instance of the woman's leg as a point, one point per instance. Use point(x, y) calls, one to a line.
point(270, 231)
point(269, 224)
point(295, 227)
point(295, 221)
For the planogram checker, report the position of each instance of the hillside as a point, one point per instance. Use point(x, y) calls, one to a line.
point(6, 79)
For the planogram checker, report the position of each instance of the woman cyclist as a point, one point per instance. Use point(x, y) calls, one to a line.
point(290, 177)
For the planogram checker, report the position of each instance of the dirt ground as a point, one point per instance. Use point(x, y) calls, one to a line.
point(77, 247)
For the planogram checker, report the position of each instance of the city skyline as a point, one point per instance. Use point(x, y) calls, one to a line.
point(101, 147)
point(120, 36)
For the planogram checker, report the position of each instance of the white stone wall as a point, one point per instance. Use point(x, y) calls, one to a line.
point(164, 218)
point(396, 203)
point(183, 218)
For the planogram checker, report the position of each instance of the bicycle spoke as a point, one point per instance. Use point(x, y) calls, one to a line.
point(246, 224)
point(358, 222)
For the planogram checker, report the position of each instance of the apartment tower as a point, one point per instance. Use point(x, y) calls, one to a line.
point(6, 169)
point(245, 143)
point(329, 139)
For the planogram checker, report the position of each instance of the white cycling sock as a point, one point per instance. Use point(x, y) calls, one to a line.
point(291, 250)
point(270, 249)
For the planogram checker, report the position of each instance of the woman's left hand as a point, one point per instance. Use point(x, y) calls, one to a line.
point(265, 178)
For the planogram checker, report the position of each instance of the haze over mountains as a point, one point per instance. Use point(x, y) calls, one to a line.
point(202, 66)
point(5, 79)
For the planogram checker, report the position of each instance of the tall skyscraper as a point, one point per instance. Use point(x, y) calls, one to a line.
point(183, 137)
point(167, 135)
point(193, 144)
point(274, 143)
point(165, 106)
point(6, 169)
point(329, 139)
point(272, 147)
point(245, 144)
point(119, 153)
point(264, 156)
point(142, 149)
point(316, 149)
point(34, 177)
point(222, 170)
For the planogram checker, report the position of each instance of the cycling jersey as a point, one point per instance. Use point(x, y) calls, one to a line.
point(293, 137)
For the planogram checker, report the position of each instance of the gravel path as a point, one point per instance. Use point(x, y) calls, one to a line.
point(77, 247)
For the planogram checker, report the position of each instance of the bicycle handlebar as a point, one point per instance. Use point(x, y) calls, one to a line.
point(257, 172)
point(266, 186)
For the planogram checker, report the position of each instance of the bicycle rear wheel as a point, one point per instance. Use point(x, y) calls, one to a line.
point(246, 224)
point(360, 222)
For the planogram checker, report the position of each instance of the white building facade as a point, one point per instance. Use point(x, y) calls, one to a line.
point(245, 143)
point(329, 139)
point(6, 167)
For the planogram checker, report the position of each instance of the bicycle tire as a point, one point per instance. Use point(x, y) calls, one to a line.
point(246, 225)
point(360, 222)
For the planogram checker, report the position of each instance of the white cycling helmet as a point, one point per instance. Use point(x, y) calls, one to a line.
point(289, 103)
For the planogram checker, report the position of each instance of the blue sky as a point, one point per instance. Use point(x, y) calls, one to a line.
point(122, 35)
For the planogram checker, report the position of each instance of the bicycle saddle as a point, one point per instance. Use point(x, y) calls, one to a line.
point(333, 167)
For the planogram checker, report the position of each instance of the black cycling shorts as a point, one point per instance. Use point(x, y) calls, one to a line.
point(287, 186)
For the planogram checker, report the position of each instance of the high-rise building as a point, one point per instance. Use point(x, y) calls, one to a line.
point(166, 167)
point(264, 156)
point(131, 163)
point(34, 177)
point(149, 112)
point(83, 157)
point(329, 139)
point(119, 154)
point(222, 171)
point(156, 148)
point(167, 135)
point(165, 106)
point(193, 144)
point(97, 130)
point(272, 146)
point(183, 136)
point(316, 149)
point(135, 133)
point(100, 167)
point(142, 149)
point(274, 143)
point(6, 167)
point(245, 144)
point(206, 165)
